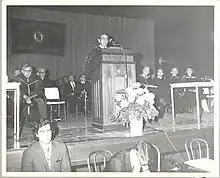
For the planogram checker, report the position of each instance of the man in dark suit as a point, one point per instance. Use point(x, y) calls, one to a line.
point(69, 94)
point(82, 88)
point(141, 158)
point(46, 155)
point(43, 74)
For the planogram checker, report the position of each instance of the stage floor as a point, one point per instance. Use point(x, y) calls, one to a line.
point(75, 130)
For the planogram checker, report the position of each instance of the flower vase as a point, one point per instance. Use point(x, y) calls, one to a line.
point(136, 126)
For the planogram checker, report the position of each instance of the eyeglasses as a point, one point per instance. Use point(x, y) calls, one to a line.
point(104, 38)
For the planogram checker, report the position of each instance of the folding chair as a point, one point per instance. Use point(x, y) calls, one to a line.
point(209, 92)
point(99, 158)
point(53, 98)
point(191, 151)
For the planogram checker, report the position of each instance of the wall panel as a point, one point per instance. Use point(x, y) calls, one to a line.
point(82, 31)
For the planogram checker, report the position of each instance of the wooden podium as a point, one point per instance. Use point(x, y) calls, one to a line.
point(108, 72)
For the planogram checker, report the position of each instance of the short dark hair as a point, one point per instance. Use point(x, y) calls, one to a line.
point(103, 34)
point(150, 69)
point(36, 125)
point(17, 69)
point(82, 75)
point(26, 66)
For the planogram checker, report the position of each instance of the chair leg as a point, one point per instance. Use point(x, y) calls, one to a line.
point(58, 110)
point(51, 112)
point(65, 113)
point(77, 113)
point(21, 126)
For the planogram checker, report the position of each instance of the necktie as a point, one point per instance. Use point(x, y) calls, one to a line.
point(48, 157)
point(72, 85)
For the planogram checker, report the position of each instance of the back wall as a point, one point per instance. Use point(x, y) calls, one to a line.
point(184, 35)
point(81, 35)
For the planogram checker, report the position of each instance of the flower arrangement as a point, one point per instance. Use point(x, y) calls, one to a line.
point(137, 100)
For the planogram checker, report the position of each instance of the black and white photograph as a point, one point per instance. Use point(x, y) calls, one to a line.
point(110, 89)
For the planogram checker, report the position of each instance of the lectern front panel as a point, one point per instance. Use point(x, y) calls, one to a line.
point(114, 79)
point(110, 73)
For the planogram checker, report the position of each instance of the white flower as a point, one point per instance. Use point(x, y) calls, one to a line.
point(145, 97)
point(118, 97)
point(136, 85)
point(131, 98)
point(146, 91)
point(131, 94)
point(140, 100)
point(124, 103)
point(140, 91)
point(129, 90)
point(149, 97)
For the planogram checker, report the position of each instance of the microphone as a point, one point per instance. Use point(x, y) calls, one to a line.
point(118, 45)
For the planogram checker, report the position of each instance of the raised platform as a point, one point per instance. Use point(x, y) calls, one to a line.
point(116, 138)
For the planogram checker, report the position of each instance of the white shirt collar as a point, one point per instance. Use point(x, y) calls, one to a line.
point(44, 146)
point(102, 47)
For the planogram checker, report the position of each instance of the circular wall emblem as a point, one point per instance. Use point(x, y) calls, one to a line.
point(38, 36)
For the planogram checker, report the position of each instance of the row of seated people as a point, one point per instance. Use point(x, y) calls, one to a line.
point(33, 99)
point(71, 90)
point(184, 97)
point(76, 92)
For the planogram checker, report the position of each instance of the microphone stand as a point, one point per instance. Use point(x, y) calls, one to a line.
point(126, 66)
point(85, 110)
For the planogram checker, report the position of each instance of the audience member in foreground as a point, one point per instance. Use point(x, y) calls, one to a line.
point(46, 155)
point(141, 158)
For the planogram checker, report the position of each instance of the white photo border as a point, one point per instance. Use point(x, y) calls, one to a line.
point(216, 5)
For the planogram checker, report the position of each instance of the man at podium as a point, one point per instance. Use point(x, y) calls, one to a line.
point(102, 44)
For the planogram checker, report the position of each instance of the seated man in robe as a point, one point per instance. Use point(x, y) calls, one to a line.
point(174, 78)
point(146, 78)
point(161, 93)
point(33, 105)
point(189, 93)
point(45, 154)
